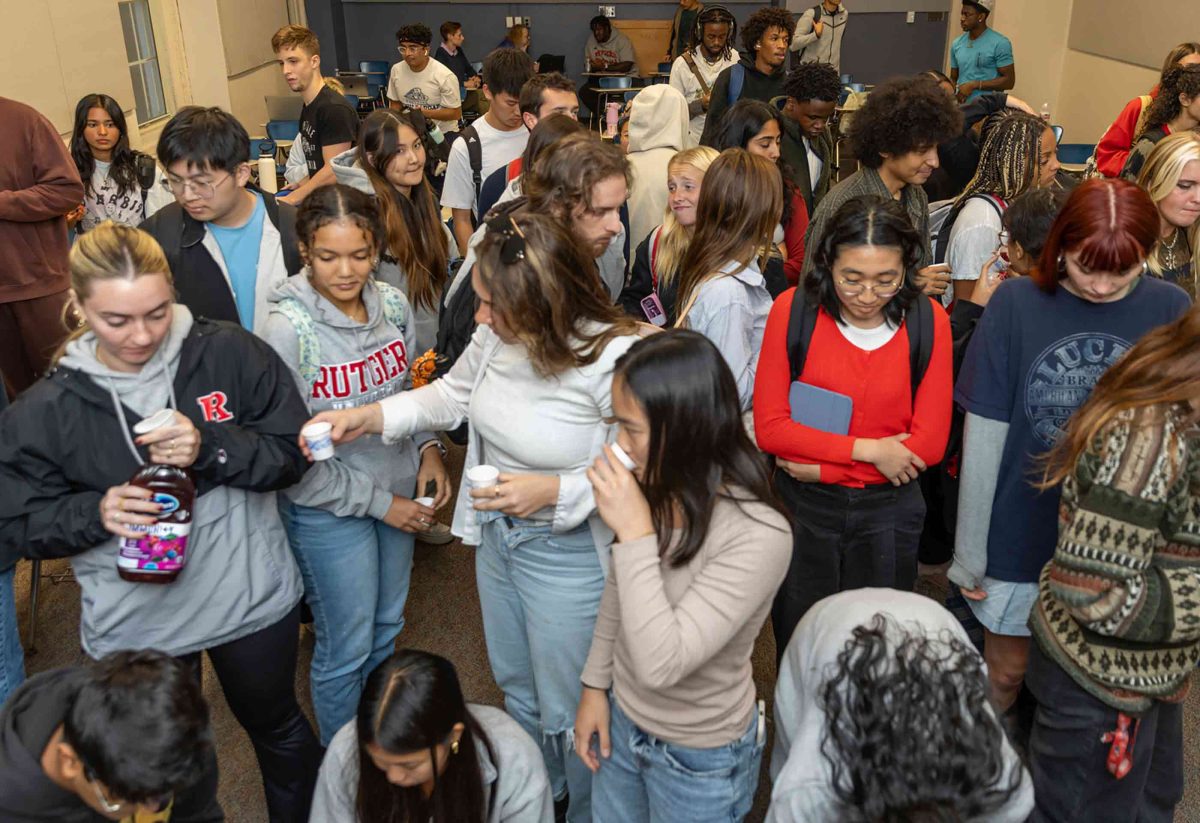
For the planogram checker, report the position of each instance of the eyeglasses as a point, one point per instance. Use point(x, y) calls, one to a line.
point(205, 191)
point(412, 49)
point(853, 289)
point(513, 249)
point(1004, 237)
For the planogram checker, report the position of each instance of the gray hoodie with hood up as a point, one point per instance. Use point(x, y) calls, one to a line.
point(360, 364)
point(349, 173)
point(240, 576)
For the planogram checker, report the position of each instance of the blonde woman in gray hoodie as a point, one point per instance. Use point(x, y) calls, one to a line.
point(349, 341)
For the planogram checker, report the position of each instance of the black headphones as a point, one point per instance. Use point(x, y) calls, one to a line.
point(714, 14)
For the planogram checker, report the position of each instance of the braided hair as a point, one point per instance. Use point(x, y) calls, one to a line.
point(1010, 161)
point(715, 14)
point(1166, 107)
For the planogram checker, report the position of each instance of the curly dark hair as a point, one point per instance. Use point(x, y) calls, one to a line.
point(763, 19)
point(901, 115)
point(1166, 107)
point(813, 81)
point(414, 33)
point(883, 746)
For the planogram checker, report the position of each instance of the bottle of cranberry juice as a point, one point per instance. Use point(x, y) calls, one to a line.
point(160, 551)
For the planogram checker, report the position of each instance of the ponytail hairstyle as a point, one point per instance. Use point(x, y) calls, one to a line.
point(1010, 161)
point(411, 703)
point(699, 451)
point(123, 172)
point(413, 235)
point(673, 239)
point(111, 251)
point(1175, 55)
point(1180, 81)
point(739, 207)
point(330, 204)
point(1160, 372)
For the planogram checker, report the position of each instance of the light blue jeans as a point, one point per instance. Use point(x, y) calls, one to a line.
point(12, 657)
point(356, 573)
point(540, 594)
point(647, 779)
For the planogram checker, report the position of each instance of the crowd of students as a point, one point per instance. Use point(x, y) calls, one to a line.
point(754, 391)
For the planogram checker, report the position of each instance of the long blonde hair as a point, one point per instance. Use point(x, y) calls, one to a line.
point(673, 238)
point(1159, 177)
point(108, 252)
point(739, 207)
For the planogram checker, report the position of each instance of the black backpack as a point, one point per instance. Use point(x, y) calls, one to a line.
point(803, 321)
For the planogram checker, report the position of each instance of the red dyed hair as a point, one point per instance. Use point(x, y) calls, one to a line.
point(1111, 224)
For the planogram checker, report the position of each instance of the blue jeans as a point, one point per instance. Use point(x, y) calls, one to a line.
point(540, 594)
point(12, 657)
point(647, 779)
point(356, 573)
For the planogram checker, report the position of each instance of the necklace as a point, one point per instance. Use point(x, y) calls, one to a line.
point(1168, 251)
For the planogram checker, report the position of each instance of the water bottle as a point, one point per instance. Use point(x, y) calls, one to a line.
point(435, 133)
point(612, 116)
point(266, 173)
point(1046, 112)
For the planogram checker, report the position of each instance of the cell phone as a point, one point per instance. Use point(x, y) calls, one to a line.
point(653, 309)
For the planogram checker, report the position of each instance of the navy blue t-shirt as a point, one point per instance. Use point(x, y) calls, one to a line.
point(1032, 362)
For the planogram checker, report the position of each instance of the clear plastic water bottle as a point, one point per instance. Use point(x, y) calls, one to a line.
point(1045, 112)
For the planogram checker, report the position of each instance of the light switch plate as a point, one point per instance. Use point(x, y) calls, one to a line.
point(608, 11)
point(912, 17)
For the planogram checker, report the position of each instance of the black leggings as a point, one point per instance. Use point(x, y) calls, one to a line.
point(258, 676)
point(845, 538)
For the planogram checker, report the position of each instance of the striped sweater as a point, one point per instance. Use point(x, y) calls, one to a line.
point(1119, 603)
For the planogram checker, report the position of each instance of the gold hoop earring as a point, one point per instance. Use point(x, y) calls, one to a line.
point(453, 747)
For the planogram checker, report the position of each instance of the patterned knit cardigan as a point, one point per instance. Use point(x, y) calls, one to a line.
point(1119, 603)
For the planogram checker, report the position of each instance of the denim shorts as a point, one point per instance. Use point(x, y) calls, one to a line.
point(1006, 608)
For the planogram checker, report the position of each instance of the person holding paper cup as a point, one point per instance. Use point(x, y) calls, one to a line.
point(702, 545)
point(535, 384)
point(852, 397)
point(348, 340)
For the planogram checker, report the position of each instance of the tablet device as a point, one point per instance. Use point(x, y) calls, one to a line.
point(820, 409)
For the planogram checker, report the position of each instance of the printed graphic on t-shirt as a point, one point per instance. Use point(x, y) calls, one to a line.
point(1062, 376)
point(368, 379)
point(416, 98)
point(605, 54)
point(107, 204)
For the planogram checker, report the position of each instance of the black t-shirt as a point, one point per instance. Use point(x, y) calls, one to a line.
point(328, 120)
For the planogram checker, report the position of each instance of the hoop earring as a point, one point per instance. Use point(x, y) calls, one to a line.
point(1062, 262)
point(453, 747)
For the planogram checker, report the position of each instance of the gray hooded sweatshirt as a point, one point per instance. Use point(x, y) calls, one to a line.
point(240, 578)
point(349, 173)
point(360, 363)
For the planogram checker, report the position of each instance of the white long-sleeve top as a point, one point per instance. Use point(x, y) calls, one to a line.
point(528, 424)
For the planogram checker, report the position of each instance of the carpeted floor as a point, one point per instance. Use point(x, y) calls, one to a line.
point(443, 617)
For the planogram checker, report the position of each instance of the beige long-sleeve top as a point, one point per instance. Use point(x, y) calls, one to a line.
point(674, 643)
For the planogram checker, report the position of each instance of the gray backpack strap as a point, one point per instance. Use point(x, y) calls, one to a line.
point(306, 334)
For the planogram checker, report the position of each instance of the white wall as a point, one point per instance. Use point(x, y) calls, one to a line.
point(53, 52)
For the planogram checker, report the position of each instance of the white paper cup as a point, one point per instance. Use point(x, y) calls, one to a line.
point(483, 476)
point(427, 502)
point(625, 459)
point(319, 437)
point(154, 421)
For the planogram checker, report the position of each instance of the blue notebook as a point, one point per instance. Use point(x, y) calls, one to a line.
point(820, 409)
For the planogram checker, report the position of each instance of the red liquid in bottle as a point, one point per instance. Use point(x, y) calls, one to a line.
point(159, 554)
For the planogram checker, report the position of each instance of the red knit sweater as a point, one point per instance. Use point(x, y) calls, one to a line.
point(876, 381)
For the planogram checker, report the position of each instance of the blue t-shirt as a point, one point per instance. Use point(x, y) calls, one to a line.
point(980, 59)
point(239, 247)
point(1031, 363)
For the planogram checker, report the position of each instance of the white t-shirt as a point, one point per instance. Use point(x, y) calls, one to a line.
point(436, 87)
point(814, 163)
point(498, 147)
point(869, 339)
point(683, 79)
point(975, 235)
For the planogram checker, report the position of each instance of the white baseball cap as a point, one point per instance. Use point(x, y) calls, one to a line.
point(987, 6)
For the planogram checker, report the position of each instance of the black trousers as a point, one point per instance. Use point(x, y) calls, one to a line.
point(1068, 760)
point(258, 677)
point(842, 539)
